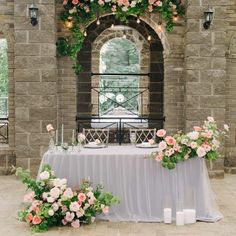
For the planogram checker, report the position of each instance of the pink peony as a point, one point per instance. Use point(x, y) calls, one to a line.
point(36, 220)
point(82, 197)
point(161, 133)
point(80, 213)
point(170, 140)
point(197, 128)
point(64, 208)
point(69, 216)
point(55, 192)
point(74, 206)
point(201, 152)
point(75, 224)
point(75, 2)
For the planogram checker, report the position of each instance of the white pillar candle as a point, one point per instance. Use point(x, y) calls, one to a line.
point(179, 218)
point(189, 216)
point(167, 215)
point(62, 134)
point(56, 137)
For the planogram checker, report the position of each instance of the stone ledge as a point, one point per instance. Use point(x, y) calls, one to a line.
point(216, 174)
point(230, 170)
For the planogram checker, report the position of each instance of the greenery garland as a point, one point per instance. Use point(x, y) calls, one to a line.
point(78, 13)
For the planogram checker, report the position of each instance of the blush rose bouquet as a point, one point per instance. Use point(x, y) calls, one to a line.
point(203, 142)
point(52, 203)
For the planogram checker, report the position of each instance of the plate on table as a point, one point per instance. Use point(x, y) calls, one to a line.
point(94, 145)
point(147, 145)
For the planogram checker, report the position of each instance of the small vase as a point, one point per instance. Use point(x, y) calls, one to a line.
point(51, 144)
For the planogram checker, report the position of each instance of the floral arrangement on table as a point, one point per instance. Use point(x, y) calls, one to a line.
point(77, 13)
point(51, 133)
point(53, 203)
point(202, 142)
point(81, 138)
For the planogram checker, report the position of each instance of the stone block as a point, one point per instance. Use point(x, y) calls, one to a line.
point(39, 139)
point(21, 88)
point(21, 62)
point(211, 75)
point(197, 114)
point(48, 49)
point(27, 126)
point(49, 75)
point(212, 51)
point(219, 63)
point(192, 75)
point(198, 38)
point(192, 101)
point(27, 49)
point(20, 36)
point(48, 23)
point(212, 101)
point(42, 88)
point(23, 23)
point(192, 50)
point(219, 88)
point(22, 139)
point(42, 113)
point(48, 101)
point(198, 88)
point(47, 62)
point(200, 63)
point(26, 75)
point(42, 36)
point(27, 101)
point(216, 174)
point(22, 114)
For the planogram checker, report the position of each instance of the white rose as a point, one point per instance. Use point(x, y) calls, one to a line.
point(193, 145)
point(44, 175)
point(49, 127)
point(55, 206)
point(50, 199)
point(90, 194)
point(97, 141)
point(211, 119)
point(45, 195)
point(50, 212)
point(55, 192)
point(57, 182)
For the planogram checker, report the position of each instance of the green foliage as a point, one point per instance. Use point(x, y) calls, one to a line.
point(86, 11)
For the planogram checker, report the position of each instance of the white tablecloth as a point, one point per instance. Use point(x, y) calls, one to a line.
point(143, 185)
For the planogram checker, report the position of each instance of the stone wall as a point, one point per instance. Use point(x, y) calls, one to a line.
point(35, 76)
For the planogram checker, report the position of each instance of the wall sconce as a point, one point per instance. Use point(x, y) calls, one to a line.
point(208, 14)
point(33, 13)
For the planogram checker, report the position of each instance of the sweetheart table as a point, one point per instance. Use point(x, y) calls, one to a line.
point(143, 185)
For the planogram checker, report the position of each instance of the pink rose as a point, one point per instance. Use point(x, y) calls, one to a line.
point(161, 133)
point(36, 220)
point(63, 221)
point(151, 1)
point(75, 2)
point(197, 128)
point(75, 224)
point(69, 216)
point(74, 206)
point(65, 2)
point(150, 8)
point(201, 152)
point(29, 197)
point(162, 145)
point(82, 197)
point(29, 218)
point(159, 3)
point(105, 210)
point(64, 208)
point(170, 140)
point(159, 156)
point(68, 193)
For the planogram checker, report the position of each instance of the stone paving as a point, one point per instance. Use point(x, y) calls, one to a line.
point(11, 192)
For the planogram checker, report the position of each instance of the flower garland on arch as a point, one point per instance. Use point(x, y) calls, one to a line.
point(77, 13)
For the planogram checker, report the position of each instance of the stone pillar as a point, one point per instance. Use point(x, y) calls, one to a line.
point(35, 81)
point(205, 65)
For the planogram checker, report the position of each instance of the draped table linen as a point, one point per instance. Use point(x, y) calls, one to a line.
point(143, 185)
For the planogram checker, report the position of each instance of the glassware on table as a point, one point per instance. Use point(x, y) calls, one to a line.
point(51, 144)
point(132, 138)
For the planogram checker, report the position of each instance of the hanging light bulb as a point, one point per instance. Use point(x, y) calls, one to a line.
point(98, 22)
point(159, 27)
point(175, 17)
point(149, 38)
point(124, 35)
point(112, 25)
point(138, 20)
point(69, 23)
point(85, 33)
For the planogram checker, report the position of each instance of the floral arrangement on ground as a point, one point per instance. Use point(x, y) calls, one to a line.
point(203, 142)
point(52, 203)
point(77, 13)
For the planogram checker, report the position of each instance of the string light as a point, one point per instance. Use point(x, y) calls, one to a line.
point(175, 17)
point(159, 27)
point(98, 22)
point(138, 20)
point(149, 38)
point(112, 25)
point(124, 35)
point(69, 23)
point(85, 33)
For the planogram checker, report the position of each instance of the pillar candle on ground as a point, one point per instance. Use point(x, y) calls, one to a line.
point(189, 216)
point(167, 215)
point(179, 218)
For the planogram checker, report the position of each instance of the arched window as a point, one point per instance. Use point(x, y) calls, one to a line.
point(119, 78)
point(3, 79)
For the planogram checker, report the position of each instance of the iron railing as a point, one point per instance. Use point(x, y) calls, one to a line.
point(119, 126)
point(4, 132)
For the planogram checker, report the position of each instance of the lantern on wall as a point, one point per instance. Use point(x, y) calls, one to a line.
point(33, 13)
point(208, 14)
